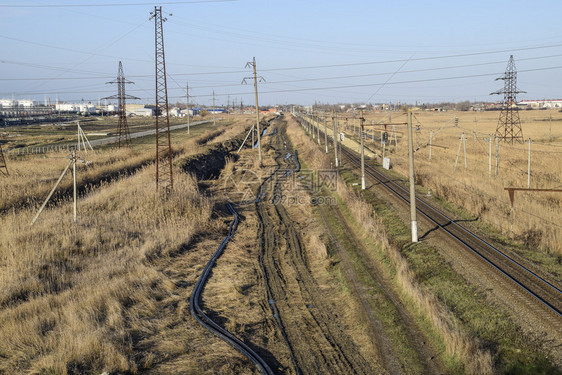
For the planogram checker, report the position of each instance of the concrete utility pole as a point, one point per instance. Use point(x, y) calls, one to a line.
point(325, 134)
point(413, 215)
point(430, 141)
point(461, 143)
point(529, 167)
point(335, 139)
point(214, 113)
point(318, 128)
point(497, 155)
point(361, 130)
point(187, 96)
point(490, 159)
point(312, 126)
point(75, 205)
point(255, 78)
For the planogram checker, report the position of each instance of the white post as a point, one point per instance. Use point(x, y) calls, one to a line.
point(413, 216)
point(361, 129)
point(318, 129)
point(325, 134)
point(312, 127)
point(74, 181)
point(335, 140)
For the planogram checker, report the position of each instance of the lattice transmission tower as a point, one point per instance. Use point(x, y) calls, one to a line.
point(3, 166)
point(164, 175)
point(123, 136)
point(509, 124)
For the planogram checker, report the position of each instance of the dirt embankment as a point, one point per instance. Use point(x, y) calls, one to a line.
point(209, 163)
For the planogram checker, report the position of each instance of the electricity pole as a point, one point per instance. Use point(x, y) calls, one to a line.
point(164, 175)
point(335, 139)
point(509, 124)
point(413, 216)
point(325, 134)
point(3, 166)
point(187, 96)
point(529, 167)
point(123, 137)
point(361, 130)
point(214, 113)
point(255, 78)
point(318, 127)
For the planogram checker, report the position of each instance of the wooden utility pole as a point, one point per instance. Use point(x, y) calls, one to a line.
point(413, 215)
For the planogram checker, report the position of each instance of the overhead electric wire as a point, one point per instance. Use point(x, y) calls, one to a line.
point(111, 4)
point(359, 85)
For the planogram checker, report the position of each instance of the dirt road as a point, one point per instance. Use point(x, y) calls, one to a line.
point(312, 331)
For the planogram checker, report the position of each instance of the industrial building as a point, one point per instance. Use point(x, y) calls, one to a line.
point(540, 104)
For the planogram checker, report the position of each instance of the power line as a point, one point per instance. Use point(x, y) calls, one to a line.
point(329, 87)
point(110, 4)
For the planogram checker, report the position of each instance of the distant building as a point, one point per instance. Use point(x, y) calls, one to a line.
point(540, 104)
point(84, 108)
point(143, 112)
point(216, 111)
point(7, 103)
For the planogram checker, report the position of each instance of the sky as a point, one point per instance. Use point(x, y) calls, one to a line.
point(307, 51)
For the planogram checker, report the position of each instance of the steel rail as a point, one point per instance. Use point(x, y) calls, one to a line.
point(399, 190)
point(207, 322)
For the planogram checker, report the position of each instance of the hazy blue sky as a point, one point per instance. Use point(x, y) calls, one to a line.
point(326, 51)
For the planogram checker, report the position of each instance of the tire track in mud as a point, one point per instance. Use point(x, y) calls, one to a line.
point(317, 342)
point(414, 336)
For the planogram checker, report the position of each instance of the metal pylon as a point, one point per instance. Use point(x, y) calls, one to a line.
point(3, 166)
point(164, 176)
point(123, 136)
point(509, 124)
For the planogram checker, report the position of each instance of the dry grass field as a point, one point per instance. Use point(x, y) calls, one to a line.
point(537, 215)
point(101, 295)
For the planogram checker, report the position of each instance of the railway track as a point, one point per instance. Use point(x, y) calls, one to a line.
point(543, 291)
point(547, 294)
point(208, 323)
